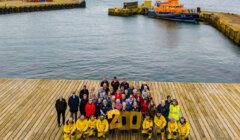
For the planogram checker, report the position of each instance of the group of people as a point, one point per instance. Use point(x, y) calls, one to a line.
point(89, 111)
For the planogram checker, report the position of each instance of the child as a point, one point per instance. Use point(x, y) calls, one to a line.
point(147, 126)
point(102, 127)
point(81, 127)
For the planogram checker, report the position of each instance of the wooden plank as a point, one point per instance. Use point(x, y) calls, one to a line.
point(27, 107)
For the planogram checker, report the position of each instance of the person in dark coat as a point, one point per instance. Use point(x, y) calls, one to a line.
point(167, 103)
point(104, 81)
point(115, 84)
point(135, 107)
point(73, 103)
point(84, 91)
point(98, 105)
point(104, 108)
point(106, 89)
point(61, 106)
point(125, 84)
point(83, 104)
point(162, 108)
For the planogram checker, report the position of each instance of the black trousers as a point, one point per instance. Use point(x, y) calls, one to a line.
point(59, 113)
point(74, 116)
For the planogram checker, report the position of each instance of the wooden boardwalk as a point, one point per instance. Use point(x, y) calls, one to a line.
point(27, 107)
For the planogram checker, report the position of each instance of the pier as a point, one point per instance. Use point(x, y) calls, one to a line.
point(7, 7)
point(227, 23)
point(28, 112)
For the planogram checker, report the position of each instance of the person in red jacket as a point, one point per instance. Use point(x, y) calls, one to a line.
point(144, 107)
point(90, 108)
point(118, 95)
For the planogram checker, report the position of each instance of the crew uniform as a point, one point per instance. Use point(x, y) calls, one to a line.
point(173, 130)
point(81, 127)
point(68, 131)
point(160, 123)
point(147, 127)
point(184, 130)
point(91, 127)
point(102, 127)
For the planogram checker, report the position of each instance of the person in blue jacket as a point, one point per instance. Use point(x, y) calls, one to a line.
point(73, 103)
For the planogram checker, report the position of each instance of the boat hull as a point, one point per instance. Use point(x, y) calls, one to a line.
point(181, 17)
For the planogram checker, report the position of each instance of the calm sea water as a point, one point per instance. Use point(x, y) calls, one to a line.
point(87, 44)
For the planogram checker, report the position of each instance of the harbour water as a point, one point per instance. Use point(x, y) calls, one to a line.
point(87, 44)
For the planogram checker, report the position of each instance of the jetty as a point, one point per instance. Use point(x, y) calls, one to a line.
point(28, 112)
point(227, 23)
point(17, 6)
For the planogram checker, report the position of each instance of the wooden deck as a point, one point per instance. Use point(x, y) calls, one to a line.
point(27, 107)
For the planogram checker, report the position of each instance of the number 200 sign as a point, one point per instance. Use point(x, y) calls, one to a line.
point(124, 120)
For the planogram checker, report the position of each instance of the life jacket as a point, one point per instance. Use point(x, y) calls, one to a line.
point(174, 112)
point(102, 126)
point(184, 129)
point(82, 125)
point(160, 121)
point(147, 124)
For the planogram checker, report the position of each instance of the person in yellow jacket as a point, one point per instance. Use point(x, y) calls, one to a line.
point(69, 130)
point(91, 126)
point(147, 126)
point(81, 127)
point(160, 123)
point(102, 126)
point(174, 110)
point(183, 129)
point(172, 129)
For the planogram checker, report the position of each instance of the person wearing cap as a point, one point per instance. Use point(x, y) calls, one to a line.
point(102, 126)
point(172, 129)
point(73, 103)
point(92, 126)
point(81, 127)
point(183, 129)
point(160, 123)
point(115, 84)
point(84, 91)
point(69, 129)
point(174, 110)
point(61, 107)
point(90, 108)
point(147, 126)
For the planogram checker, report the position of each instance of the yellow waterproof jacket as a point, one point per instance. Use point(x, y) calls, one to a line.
point(174, 112)
point(92, 123)
point(82, 125)
point(172, 127)
point(102, 126)
point(69, 128)
point(184, 129)
point(147, 124)
point(160, 121)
